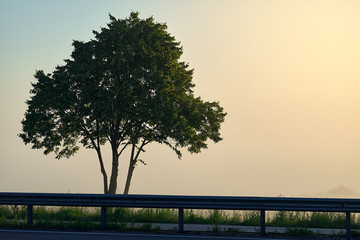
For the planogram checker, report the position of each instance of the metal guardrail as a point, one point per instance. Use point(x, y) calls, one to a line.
point(262, 204)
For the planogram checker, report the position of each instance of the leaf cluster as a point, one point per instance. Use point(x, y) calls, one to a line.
point(126, 86)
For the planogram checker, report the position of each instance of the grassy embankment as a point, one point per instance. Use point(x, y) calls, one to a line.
point(123, 219)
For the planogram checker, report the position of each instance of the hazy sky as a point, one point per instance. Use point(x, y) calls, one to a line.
point(286, 72)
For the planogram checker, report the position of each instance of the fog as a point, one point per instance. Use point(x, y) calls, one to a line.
point(286, 72)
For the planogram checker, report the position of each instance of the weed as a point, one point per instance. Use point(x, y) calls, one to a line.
point(234, 230)
point(216, 216)
point(250, 218)
point(298, 232)
point(125, 218)
point(146, 227)
point(327, 220)
point(216, 228)
point(190, 216)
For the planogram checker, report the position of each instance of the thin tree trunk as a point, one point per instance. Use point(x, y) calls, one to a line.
point(103, 171)
point(133, 160)
point(129, 176)
point(114, 171)
point(130, 171)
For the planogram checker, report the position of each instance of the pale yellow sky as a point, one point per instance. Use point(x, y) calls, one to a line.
point(286, 73)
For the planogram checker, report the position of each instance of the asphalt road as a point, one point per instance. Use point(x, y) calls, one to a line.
point(54, 235)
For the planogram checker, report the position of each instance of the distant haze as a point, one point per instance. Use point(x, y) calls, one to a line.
point(286, 72)
point(340, 192)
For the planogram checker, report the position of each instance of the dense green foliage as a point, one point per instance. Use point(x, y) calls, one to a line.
point(128, 88)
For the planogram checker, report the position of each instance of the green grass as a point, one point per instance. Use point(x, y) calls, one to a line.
point(125, 218)
point(298, 232)
point(310, 220)
point(145, 215)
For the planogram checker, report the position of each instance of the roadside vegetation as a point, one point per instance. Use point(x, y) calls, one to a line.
point(119, 219)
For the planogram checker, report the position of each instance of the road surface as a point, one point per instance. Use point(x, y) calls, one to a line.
point(56, 235)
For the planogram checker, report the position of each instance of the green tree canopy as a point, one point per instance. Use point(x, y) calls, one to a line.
point(126, 87)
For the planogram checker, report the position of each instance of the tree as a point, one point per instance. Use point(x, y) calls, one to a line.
point(127, 87)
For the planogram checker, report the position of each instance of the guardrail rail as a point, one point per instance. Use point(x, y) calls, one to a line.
point(261, 204)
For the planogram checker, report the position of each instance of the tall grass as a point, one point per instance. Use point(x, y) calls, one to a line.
point(120, 218)
point(310, 220)
point(145, 215)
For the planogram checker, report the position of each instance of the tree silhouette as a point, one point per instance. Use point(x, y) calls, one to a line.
point(128, 88)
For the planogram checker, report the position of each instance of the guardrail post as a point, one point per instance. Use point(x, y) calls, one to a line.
point(103, 218)
point(348, 223)
point(181, 220)
point(262, 222)
point(30, 216)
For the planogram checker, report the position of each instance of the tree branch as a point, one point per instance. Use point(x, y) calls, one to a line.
point(87, 133)
point(125, 145)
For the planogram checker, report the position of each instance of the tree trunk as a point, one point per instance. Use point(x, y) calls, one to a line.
point(129, 176)
point(131, 170)
point(103, 171)
point(114, 171)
